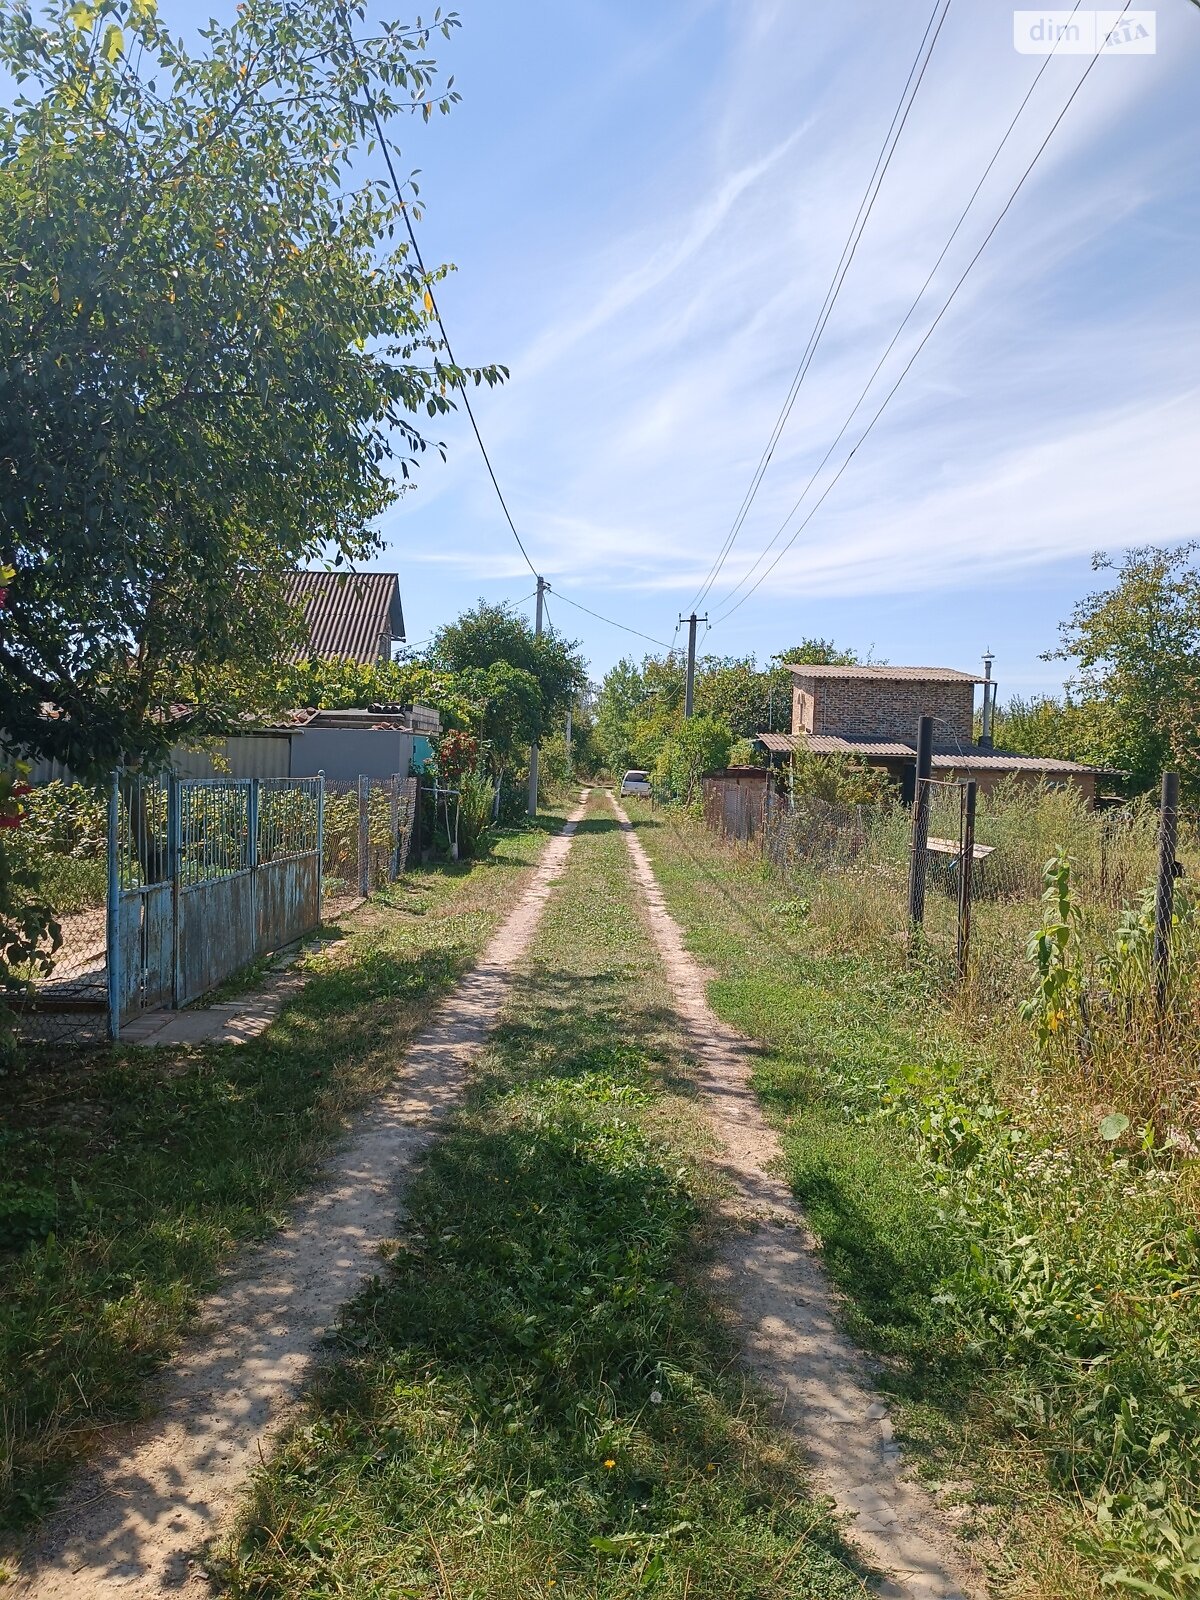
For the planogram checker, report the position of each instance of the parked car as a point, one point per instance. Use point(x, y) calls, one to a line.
point(635, 783)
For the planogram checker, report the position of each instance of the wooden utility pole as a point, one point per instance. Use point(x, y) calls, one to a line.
point(919, 859)
point(1168, 871)
point(691, 662)
point(532, 804)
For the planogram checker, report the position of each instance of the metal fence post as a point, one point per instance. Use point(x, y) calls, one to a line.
point(252, 797)
point(919, 861)
point(320, 843)
point(175, 876)
point(966, 876)
point(364, 835)
point(112, 911)
point(1168, 870)
point(394, 827)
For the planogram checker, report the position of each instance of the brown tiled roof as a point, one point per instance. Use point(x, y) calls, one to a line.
point(883, 674)
point(970, 757)
point(348, 614)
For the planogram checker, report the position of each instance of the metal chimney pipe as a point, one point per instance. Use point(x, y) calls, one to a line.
point(989, 702)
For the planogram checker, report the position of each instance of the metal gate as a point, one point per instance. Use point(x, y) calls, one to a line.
point(205, 875)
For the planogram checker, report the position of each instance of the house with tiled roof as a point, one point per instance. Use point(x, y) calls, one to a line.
point(872, 712)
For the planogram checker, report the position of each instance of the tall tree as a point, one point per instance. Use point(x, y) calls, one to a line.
point(1137, 649)
point(489, 634)
point(214, 348)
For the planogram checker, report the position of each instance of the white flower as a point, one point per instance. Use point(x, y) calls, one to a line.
point(656, 1397)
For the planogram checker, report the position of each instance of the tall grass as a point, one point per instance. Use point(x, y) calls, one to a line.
point(848, 866)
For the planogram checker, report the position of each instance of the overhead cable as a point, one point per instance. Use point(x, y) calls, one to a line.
point(857, 227)
point(908, 365)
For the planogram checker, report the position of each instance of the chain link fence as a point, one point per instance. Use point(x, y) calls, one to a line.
point(369, 825)
point(885, 875)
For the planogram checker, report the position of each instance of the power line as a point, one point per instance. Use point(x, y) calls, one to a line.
point(612, 623)
point(779, 532)
point(662, 643)
point(466, 399)
point(857, 228)
point(953, 293)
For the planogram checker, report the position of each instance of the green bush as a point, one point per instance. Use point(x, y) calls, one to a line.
point(476, 799)
point(61, 845)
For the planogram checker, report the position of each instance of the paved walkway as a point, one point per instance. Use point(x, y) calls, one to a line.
point(231, 1022)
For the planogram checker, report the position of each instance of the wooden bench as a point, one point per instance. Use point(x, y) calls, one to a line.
point(952, 847)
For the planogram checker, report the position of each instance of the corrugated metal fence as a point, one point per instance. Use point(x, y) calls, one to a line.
point(738, 801)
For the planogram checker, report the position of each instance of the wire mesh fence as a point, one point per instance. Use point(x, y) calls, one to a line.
point(368, 835)
point(968, 889)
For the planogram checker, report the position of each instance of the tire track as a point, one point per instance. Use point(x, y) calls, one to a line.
point(140, 1515)
point(770, 1273)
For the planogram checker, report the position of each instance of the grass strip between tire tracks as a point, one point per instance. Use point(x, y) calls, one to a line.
point(536, 1397)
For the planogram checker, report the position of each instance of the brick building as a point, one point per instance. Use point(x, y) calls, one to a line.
point(872, 712)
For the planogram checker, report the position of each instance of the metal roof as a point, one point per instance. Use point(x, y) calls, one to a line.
point(348, 614)
point(971, 757)
point(884, 674)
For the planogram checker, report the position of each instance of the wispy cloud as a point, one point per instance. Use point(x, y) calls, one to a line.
point(1050, 414)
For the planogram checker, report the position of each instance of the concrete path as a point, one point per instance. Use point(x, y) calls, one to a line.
point(771, 1275)
point(230, 1022)
point(139, 1516)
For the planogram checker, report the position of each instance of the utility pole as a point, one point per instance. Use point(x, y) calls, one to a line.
point(989, 702)
point(533, 753)
point(570, 741)
point(691, 666)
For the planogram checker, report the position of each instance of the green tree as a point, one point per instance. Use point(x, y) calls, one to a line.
point(214, 350)
point(637, 709)
point(1044, 725)
point(507, 712)
point(1137, 649)
point(698, 745)
point(817, 653)
point(491, 634)
point(735, 693)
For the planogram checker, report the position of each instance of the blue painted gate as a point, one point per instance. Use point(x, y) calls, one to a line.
point(205, 875)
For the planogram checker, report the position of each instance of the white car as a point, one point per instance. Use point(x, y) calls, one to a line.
point(635, 783)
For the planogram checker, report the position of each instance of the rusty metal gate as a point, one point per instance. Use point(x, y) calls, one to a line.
point(205, 875)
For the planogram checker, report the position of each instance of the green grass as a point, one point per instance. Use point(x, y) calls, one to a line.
point(1033, 1292)
point(126, 1180)
point(536, 1398)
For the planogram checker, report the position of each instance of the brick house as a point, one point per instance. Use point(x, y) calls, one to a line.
point(872, 712)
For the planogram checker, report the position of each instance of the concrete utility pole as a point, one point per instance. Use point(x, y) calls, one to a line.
point(570, 742)
point(989, 701)
point(691, 666)
point(533, 753)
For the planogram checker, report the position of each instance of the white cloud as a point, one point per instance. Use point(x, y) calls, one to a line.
point(1049, 414)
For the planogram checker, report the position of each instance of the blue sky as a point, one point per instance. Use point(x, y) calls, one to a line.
point(644, 205)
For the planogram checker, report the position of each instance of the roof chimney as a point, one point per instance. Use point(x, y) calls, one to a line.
point(989, 702)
